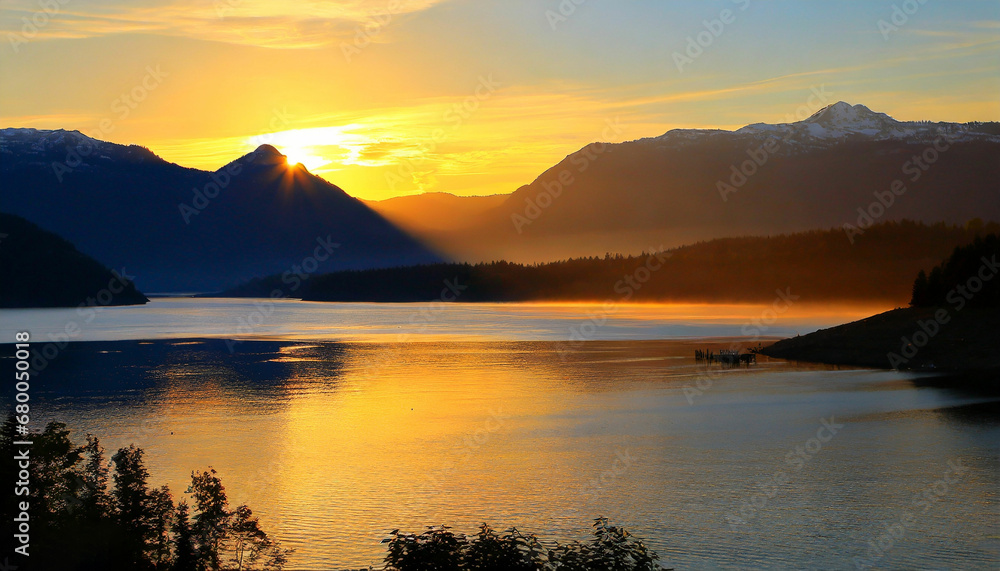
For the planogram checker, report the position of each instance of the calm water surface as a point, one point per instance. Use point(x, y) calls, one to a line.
point(334, 441)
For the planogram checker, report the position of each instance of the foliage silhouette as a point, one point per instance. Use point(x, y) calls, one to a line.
point(439, 549)
point(41, 269)
point(79, 523)
point(956, 278)
point(879, 265)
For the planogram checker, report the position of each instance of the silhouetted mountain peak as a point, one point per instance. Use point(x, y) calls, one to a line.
point(263, 156)
point(266, 150)
point(266, 155)
point(182, 229)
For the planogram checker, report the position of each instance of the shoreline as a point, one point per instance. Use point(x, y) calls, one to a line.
point(958, 344)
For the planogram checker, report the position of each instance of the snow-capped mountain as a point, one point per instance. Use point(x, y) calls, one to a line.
point(34, 146)
point(851, 118)
point(697, 184)
point(835, 124)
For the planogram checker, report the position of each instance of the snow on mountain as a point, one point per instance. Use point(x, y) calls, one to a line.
point(845, 116)
point(20, 147)
point(832, 125)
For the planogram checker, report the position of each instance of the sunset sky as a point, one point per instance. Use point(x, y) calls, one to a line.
point(392, 97)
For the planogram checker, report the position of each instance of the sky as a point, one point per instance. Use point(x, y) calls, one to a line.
point(475, 97)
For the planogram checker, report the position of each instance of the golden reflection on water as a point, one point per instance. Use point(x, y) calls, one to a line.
point(333, 445)
point(399, 434)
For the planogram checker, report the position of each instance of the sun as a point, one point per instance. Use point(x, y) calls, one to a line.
point(305, 156)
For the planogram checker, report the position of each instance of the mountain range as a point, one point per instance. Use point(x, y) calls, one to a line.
point(181, 229)
point(689, 185)
point(178, 229)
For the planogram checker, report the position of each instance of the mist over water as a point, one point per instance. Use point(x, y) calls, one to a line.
point(232, 318)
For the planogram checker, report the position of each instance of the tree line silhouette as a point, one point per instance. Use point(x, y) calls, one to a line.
point(824, 266)
point(969, 267)
point(89, 514)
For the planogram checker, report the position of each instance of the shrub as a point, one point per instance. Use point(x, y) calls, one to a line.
point(438, 549)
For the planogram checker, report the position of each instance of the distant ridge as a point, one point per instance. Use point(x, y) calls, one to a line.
point(814, 266)
point(839, 121)
point(190, 230)
point(688, 185)
point(40, 269)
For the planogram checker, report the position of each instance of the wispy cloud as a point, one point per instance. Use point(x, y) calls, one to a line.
point(265, 23)
point(356, 123)
point(51, 120)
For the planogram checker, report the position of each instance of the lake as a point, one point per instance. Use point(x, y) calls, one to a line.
point(339, 422)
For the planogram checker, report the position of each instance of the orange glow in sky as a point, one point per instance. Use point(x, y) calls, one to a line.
point(389, 98)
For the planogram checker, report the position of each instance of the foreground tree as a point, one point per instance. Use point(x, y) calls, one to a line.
point(249, 544)
point(133, 505)
point(229, 539)
point(80, 523)
point(212, 521)
point(161, 513)
point(95, 502)
point(183, 541)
